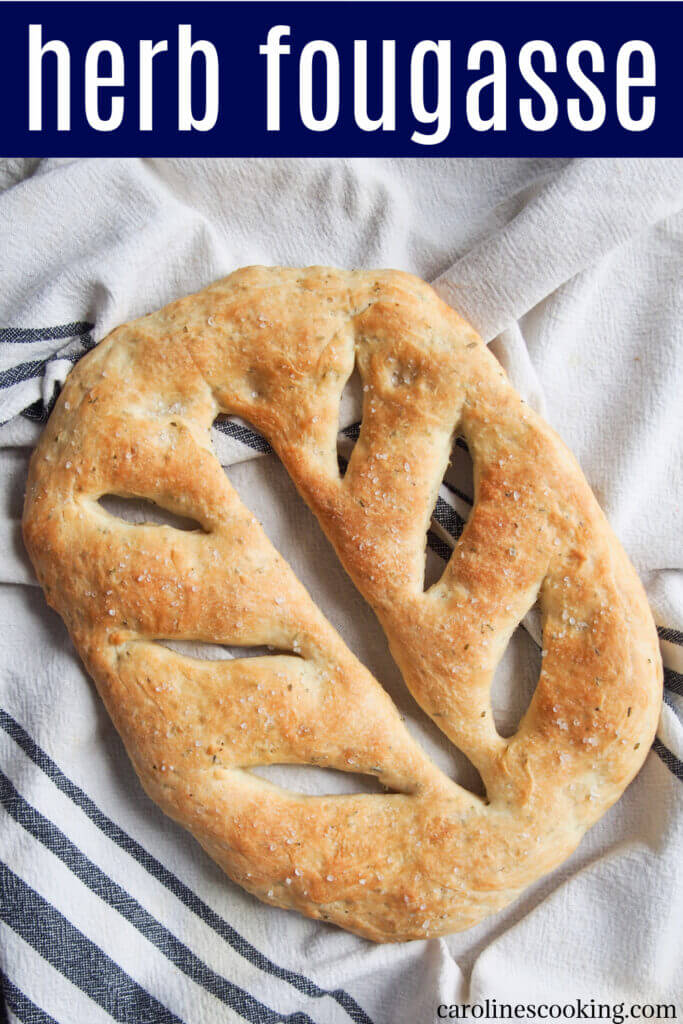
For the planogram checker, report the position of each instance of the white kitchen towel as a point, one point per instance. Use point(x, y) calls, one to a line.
point(572, 271)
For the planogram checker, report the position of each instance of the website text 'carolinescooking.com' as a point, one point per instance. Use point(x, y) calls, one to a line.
point(576, 1009)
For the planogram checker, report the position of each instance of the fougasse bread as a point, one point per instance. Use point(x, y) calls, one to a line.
point(276, 347)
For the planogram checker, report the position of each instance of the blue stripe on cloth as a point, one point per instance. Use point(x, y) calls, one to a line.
point(4, 1018)
point(21, 1006)
point(456, 490)
point(447, 517)
point(21, 372)
point(673, 681)
point(438, 545)
point(24, 335)
point(674, 765)
point(38, 411)
point(128, 907)
point(171, 881)
point(73, 954)
point(670, 702)
point(352, 431)
point(674, 636)
point(244, 434)
point(36, 367)
point(250, 437)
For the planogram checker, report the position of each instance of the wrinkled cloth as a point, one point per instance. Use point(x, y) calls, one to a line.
point(571, 270)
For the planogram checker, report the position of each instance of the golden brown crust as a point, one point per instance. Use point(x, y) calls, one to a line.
point(276, 346)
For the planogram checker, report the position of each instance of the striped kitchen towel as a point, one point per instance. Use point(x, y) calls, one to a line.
point(572, 271)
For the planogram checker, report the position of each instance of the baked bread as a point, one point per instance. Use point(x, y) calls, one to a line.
point(276, 346)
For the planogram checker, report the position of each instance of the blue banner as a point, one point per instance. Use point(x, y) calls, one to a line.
point(341, 79)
